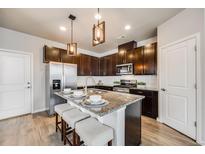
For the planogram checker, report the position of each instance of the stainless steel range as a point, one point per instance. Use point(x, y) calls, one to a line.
point(125, 86)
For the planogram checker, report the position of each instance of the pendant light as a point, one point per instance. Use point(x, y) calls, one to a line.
point(98, 31)
point(72, 47)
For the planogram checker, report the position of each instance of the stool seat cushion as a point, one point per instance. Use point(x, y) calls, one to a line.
point(94, 133)
point(71, 117)
point(62, 108)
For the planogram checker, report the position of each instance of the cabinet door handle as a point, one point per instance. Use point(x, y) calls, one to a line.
point(140, 92)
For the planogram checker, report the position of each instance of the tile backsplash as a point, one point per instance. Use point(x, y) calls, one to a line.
point(150, 80)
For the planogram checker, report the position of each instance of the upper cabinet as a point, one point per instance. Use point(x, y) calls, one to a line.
point(65, 58)
point(51, 54)
point(108, 65)
point(84, 65)
point(138, 61)
point(125, 52)
point(95, 66)
point(150, 59)
point(145, 60)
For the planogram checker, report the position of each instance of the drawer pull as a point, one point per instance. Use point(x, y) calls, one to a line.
point(140, 92)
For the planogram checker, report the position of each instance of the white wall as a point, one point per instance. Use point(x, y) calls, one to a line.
point(186, 23)
point(13, 40)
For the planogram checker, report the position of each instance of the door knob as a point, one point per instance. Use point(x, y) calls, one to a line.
point(163, 89)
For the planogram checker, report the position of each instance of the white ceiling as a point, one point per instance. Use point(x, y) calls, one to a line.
point(45, 23)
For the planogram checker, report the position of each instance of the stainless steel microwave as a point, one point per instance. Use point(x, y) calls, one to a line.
point(124, 69)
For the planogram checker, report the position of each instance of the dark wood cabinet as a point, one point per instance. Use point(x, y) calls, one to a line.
point(102, 66)
point(51, 54)
point(65, 58)
point(87, 65)
point(149, 103)
point(114, 63)
point(108, 65)
point(125, 52)
point(130, 56)
point(84, 63)
point(95, 66)
point(145, 60)
point(138, 61)
point(150, 59)
point(110, 88)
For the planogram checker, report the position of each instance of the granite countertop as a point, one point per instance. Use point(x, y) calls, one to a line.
point(116, 100)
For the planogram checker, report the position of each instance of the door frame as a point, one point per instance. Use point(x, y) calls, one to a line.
point(196, 36)
point(31, 70)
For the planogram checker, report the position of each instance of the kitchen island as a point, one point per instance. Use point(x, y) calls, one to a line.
point(122, 113)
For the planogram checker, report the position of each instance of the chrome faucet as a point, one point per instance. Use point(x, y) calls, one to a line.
point(86, 84)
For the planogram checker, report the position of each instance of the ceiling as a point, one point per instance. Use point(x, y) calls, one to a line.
point(45, 23)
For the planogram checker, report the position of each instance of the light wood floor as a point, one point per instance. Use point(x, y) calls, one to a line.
point(39, 129)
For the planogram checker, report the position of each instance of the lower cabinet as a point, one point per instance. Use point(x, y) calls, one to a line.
point(110, 88)
point(149, 103)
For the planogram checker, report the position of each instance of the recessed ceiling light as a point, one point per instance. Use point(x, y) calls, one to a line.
point(127, 27)
point(62, 28)
point(98, 16)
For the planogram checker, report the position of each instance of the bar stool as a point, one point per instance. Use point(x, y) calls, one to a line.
point(93, 133)
point(71, 118)
point(59, 109)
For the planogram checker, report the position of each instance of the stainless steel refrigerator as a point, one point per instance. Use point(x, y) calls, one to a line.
point(58, 77)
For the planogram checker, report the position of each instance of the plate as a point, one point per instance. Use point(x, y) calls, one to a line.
point(78, 96)
point(66, 92)
point(87, 104)
point(102, 101)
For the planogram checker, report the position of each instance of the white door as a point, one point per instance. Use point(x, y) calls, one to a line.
point(178, 86)
point(15, 79)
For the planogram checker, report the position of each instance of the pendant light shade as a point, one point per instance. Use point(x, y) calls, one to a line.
point(72, 47)
point(98, 32)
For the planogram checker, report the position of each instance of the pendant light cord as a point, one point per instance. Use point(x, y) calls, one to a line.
point(71, 31)
point(98, 16)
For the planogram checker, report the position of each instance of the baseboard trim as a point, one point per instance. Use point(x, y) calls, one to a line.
point(201, 142)
point(40, 110)
point(159, 120)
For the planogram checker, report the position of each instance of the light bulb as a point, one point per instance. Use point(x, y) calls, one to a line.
point(98, 34)
point(71, 48)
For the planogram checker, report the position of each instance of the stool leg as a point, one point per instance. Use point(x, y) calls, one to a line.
point(56, 122)
point(64, 132)
point(62, 128)
point(110, 143)
point(74, 137)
